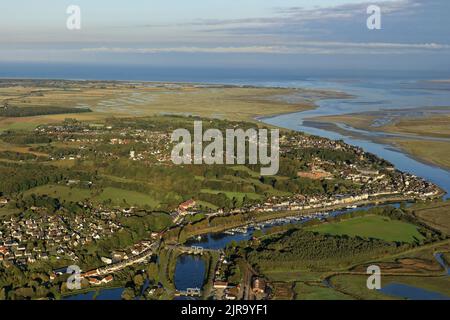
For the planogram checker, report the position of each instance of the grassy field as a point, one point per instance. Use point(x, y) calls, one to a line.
point(61, 192)
point(292, 275)
point(436, 215)
point(372, 227)
point(123, 197)
point(19, 149)
point(435, 152)
point(117, 196)
point(30, 123)
point(207, 204)
point(231, 195)
point(6, 211)
point(432, 126)
point(306, 291)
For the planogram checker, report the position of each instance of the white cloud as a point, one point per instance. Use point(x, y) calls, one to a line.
point(301, 16)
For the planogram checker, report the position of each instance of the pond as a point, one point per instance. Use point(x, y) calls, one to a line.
point(189, 272)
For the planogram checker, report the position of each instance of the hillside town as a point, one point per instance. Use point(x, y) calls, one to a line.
point(25, 240)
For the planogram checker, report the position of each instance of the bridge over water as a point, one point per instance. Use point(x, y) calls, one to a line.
point(190, 292)
point(192, 249)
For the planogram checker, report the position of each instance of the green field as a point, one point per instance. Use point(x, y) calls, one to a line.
point(291, 275)
point(207, 205)
point(18, 126)
point(231, 194)
point(436, 215)
point(248, 170)
point(117, 196)
point(305, 291)
point(372, 226)
point(61, 192)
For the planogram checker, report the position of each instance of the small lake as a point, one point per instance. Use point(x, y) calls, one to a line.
point(189, 272)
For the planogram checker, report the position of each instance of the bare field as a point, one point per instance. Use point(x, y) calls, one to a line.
point(436, 215)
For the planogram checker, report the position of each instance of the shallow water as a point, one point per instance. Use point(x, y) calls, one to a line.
point(411, 293)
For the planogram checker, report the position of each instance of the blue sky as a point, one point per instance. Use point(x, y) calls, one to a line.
point(250, 33)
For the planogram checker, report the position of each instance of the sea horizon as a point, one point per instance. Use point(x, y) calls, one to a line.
point(146, 73)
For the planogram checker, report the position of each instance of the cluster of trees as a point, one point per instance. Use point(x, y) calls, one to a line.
point(51, 204)
point(12, 111)
point(23, 283)
point(24, 137)
point(21, 177)
point(19, 156)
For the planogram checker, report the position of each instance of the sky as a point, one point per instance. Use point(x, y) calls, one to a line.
point(269, 34)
